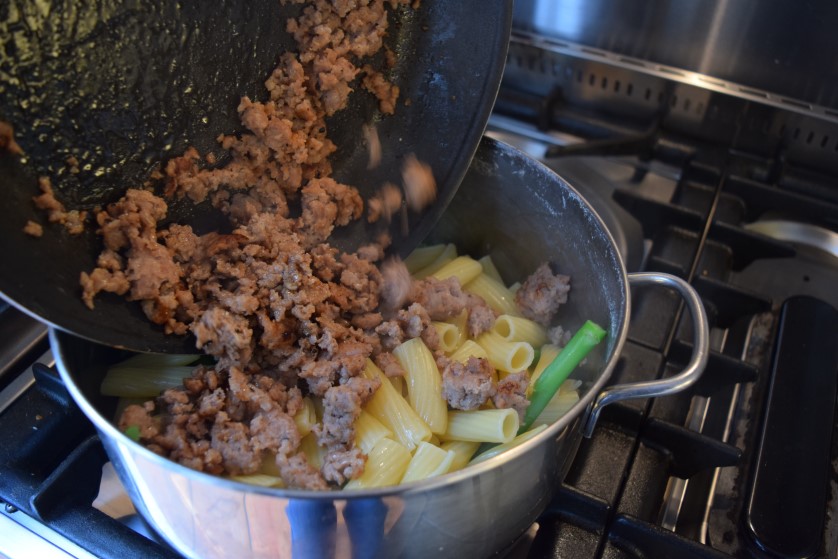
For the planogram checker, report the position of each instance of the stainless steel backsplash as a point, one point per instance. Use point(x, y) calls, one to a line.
point(789, 48)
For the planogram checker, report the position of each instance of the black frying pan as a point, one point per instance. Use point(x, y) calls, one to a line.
point(121, 86)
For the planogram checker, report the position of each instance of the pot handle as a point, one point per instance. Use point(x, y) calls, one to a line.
point(671, 385)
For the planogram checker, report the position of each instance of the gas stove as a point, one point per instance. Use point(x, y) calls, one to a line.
point(729, 186)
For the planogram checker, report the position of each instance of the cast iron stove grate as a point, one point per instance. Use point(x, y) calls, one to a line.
point(742, 464)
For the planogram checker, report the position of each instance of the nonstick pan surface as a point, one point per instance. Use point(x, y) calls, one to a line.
point(120, 87)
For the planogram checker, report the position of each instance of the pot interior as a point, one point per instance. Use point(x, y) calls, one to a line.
point(510, 207)
point(522, 214)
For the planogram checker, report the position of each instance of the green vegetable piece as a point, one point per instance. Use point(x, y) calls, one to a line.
point(585, 339)
point(133, 432)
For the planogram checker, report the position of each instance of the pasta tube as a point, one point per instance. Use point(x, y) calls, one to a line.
point(368, 431)
point(449, 336)
point(424, 383)
point(506, 356)
point(428, 461)
point(461, 322)
point(398, 384)
point(496, 295)
point(306, 417)
point(469, 348)
point(268, 466)
point(519, 329)
point(546, 355)
point(158, 360)
point(313, 451)
point(490, 269)
point(142, 382)
point(559, 405)
point(385, 465)
point(463, 452)
point(491, 426)
point(262, 480)
point(448, 254)
point(391, 409)
point(464, 268)
point(422, 257)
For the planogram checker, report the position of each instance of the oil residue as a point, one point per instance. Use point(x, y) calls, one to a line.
point(119, 86)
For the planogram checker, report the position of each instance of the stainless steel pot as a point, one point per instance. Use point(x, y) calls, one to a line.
point(522, 214)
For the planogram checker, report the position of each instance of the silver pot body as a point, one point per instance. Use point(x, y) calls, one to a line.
point(522, 214)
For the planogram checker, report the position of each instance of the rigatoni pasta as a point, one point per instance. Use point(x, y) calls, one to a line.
point(504, 355)
point(386, 464)
point(369, 430)
point(391, 409)
point(428, 461)
point(464, 268)
point(423, 257)
point(467, 349)
point(496, 295)
point(448, 254)
point(306, 418)
point(519, 329)
point(463, 452)
point(449, 334)
point(491, 426)
point(490, 269)
point(424, 383)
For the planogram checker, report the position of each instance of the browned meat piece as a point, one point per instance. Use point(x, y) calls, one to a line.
point(442, 299)
point(72, 220)
point(559, 336)
point(419, 183)
point(134, 216)
point(342, 465)
point(388, 364)
point(467, 386)
point(101, 279)
point(7, 139)
point(364, 280)
point(150, 270)
point(512, 393)
point(373, 142)
point(327, 203)
point(224, 335)
point(297, 473)
point(367, 321)
point(541, 294)
point(274, 430)
point(372, 252)
point(386, 92)
point(34, 229)
point(413, 320)
point(341, 407)
point(140, 416)
point(232, 440)
point(390, 334)
point(481, 317)
point(385, 203)
point(396, 283)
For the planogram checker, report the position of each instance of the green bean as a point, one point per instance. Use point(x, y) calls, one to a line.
point(585, 339)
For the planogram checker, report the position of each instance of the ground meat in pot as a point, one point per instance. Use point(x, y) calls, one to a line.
point(467, 386)
point(541, 295)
